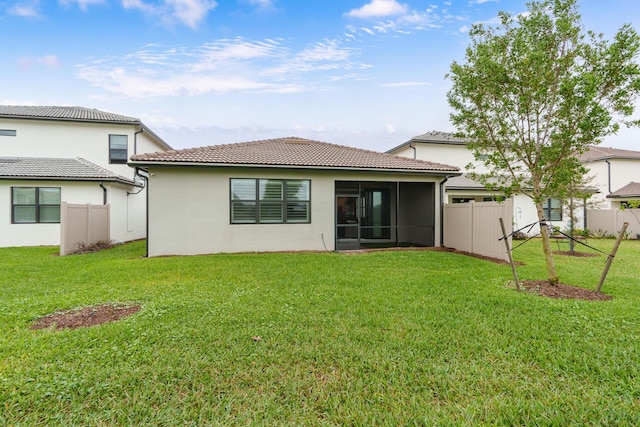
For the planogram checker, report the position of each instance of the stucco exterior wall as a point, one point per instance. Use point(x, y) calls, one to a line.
point(623, 171)
point(41, 234)
point(128, 212)
point(59, 139)
point(130, 224)
point(524, 212)
point(189, 211)
point(448, 154)
point(90, 141)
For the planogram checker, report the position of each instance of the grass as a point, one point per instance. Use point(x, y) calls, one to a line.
point(385, 338)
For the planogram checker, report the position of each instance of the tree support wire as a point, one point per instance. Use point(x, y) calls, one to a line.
point(611, 256)
point(530, 226)
point(506, 244)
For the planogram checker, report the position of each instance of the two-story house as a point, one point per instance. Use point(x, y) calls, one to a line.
point(50, 155)
point(615, 173)
point(444, 147)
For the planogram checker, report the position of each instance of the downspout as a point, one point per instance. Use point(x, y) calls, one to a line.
point(135, 141)
point(146, 185)
point(414, 151)
point(104, 193)
point(608, 175)
point(446, 178)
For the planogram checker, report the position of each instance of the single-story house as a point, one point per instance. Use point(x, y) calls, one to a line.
point(289, 194)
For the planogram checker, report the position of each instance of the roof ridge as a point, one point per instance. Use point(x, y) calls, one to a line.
point(291, 151)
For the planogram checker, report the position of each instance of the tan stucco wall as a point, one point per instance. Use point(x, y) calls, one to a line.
point(189, 211)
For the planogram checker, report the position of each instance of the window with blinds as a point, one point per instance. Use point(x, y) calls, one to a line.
point(270, 201)
point(32, 205)
point(552, 209)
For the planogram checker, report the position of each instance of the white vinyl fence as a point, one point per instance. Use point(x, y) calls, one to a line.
point(608, 222)
point(82, 224)
point(475, 227)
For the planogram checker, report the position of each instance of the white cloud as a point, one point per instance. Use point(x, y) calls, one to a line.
point(489, 22)
point(188, 12)
point(221, 66)
point(27, 9)
point(138, 4)
point(405, 84)
point(390, 129)
point(191, 12)
point(82, 4)
point(49, 61)
point(262, 4)
point(378, 8)
point(406, 21)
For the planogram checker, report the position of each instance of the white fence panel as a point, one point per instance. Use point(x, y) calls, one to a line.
point(82, 224)
point(475, 227)
point(609, 221)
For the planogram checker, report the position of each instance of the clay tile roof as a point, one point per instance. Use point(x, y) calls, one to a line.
point(63, 113)
point(433, 137)
point(463, 182)
point(632, 189)
point(604, 153)
point(56, 168)
point(291, 152)
point(439, 137)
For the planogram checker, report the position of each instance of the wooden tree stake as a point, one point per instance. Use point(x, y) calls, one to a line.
point(611, 256)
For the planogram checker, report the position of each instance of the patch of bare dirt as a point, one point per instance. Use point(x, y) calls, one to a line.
point(86, 316)
point(574, 253)
point(562, 291)
point(87, 248)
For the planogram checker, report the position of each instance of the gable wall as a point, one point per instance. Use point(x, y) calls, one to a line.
point(448, 154)
point(59, 139)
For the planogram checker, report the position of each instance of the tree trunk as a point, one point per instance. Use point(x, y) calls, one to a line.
point(546, 246)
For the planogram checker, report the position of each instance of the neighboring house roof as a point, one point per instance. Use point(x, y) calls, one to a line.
point(292, 152)
point(41, 168)
point(605, 153)
point(463, 183)
point(632, 189)
point(73, 114)
point(433, 137)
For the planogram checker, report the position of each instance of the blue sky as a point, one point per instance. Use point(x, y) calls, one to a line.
point(364, 73)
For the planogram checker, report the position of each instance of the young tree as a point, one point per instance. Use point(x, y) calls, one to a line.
point(534, 92)
point(577, 193)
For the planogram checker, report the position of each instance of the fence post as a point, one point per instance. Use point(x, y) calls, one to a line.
point(63, 228)
point(611, 256)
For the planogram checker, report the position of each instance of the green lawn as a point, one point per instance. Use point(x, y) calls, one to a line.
point(385, 338)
